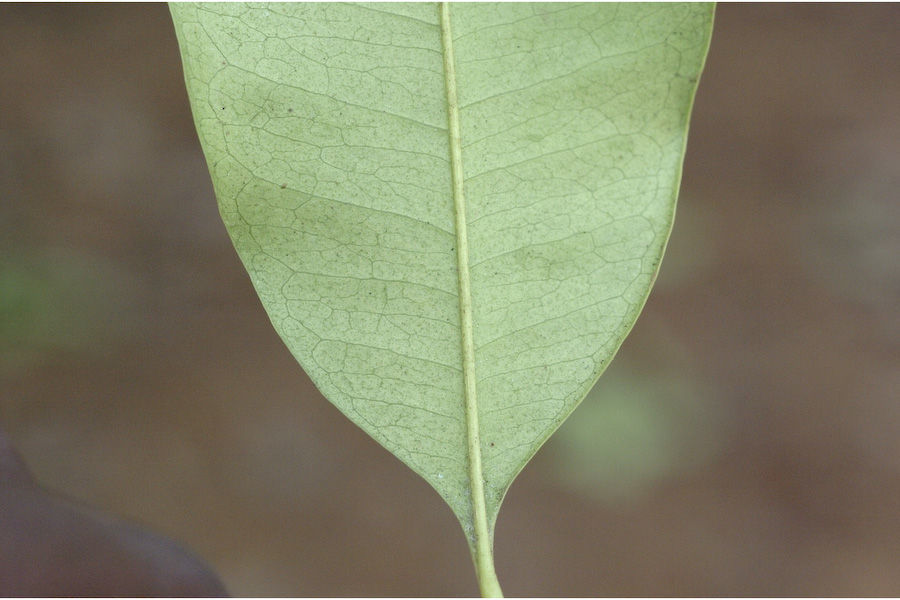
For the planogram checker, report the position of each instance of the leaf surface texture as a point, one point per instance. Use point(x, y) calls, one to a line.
point(325, 127)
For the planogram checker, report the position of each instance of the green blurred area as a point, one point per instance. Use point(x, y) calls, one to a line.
point(645, 423)
point(745, 442)
point(58, 303)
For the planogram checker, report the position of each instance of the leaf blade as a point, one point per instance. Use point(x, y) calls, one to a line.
point(632, 219)
point(326, 130)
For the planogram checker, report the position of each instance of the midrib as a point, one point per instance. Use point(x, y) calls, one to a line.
point(482, 540)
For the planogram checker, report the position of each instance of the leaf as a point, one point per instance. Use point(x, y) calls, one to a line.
point(434, 201)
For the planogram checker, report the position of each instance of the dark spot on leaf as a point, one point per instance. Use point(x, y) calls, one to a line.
point(283, 185)
point(492, 444)
point(290, 110)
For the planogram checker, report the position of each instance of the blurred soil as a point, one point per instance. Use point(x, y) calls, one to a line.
point(745, 442)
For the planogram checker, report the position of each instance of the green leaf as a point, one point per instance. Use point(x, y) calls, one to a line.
point(434, 201)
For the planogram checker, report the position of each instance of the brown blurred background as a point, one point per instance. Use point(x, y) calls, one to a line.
point(746, 440)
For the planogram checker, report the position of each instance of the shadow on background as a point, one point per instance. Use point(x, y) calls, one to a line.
point(746, 441)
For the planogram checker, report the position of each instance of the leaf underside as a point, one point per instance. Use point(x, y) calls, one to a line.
point(325, 127)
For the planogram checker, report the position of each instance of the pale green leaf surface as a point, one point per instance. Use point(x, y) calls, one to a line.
point(326, 131)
